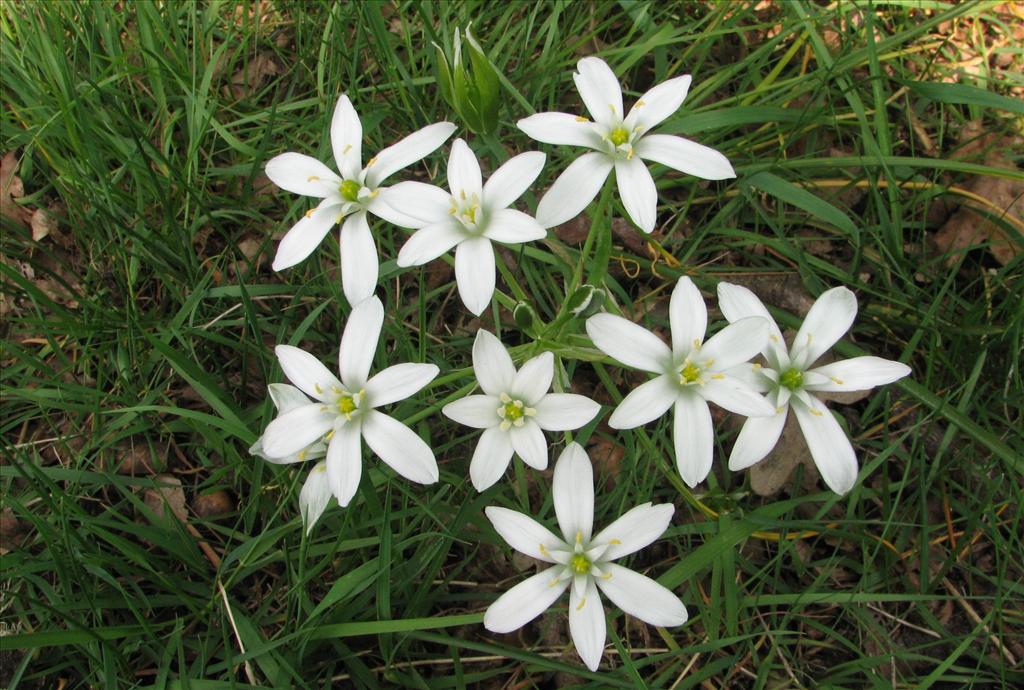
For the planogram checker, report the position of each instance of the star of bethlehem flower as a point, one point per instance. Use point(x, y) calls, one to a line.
point(689, 374)
point(514, 410)
point(348, 196)
point(790, 381)
point(341, 412)
point(469, 218)
point(316, 492)
point(582, 562)
point(621, 141)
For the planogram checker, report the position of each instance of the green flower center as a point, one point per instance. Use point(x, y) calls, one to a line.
point(513, 410)
point(346, 405)
point(690, 373)
point(792, 379)
point(619, 136)
point(350, 190)
point(580, 564)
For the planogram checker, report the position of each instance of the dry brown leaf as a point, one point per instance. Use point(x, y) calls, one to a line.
point(967, 227)
point(607, 458)
point(11, 531)
point(167, 498)
point(42, 224)
point(254, 75)
point(772, 474)
point(11, 188)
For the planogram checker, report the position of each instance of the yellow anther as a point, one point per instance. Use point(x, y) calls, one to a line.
point(320, 468)
point(816, 413)
point(371, 161)
point(614, 542)
point(553, 582)
point(718, 376)
point(310, 212)
point(329, 435)
point(579, 607)
point(836, 380)
point(579, 537)
point(606, 576)
point(580, 118)
point(640, 104)
point(544, 550)
point(313, 178)
point(348, 147)
point(696, 343)
point(774, 338)
point(317, 388)
point(756, 366)
point(302, 454)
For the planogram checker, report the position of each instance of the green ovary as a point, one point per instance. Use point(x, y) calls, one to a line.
point(350, 190)
point(619, 136)
point(513, 410)
point(792, 379)
point(579, 564)
point(346, 405)
point(690, 373)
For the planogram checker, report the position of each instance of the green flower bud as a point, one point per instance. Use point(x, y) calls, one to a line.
point(525, 317)
point(472, 89)
point(586, 301)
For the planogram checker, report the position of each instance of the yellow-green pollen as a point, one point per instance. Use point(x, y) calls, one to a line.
point(619, 136)
point(690, 373)
point(350, 190)
point(513, 410)
point(792, 379)
point(580, 564)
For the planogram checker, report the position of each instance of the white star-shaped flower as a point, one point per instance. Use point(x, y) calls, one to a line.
point(514, 410)
point(689, 375)
point(621, 141)
point(348, 196)
point(583, 562)
point(342, 411)
point(468, 218)
point(789, 380)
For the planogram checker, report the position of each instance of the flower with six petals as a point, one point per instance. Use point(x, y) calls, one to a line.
point(514, 410)
point(348, 196)
point(582, 562)
point(621, 141)
point(790, 380)
point(689, 374)
point(342, 410)
point(469, 218)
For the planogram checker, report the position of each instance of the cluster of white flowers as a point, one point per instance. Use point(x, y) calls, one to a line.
point(325, 418)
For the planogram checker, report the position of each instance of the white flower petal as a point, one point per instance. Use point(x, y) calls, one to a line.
point(359, 343)
point(574, 189)
point(301, 174)
point(377, 205)
point(587, 624)
point(474, 273)
point(286, 398)
point(561, 129)
point(533, 380)
point(524, 534)
point(736, 343)
point(857, 374)
point(636, 529)
point(315, 496)
point(757, 438)
point(564, 411)
point(345, 462)
point(347, 139)
point(733, 395)
point(293, 431)
point(431, 242)
point(600, 91)
point(657, 104)
point(831, 449)
point(413, 205)
point(688, 316)
point(492, 364)
point(737, 302)
point(359, 263)
point(641, 597)
point(638, 193)
point(694, 438)
point(830, 317)
point(464, 177)
point(633, 345)
point(645, 403)
point(573, 494)
point(685, 156)
point(306, 235)
point(753, 376)
point(530, 445)
point(477, 411)
point(398, 382)
point(490, 459)
point(524, 602)
point(513, 227)
point(400, 447)
point(512, 179)
point(306, 371)
point(412, 148)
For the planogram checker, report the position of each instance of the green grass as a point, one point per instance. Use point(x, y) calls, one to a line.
point(127, 119)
